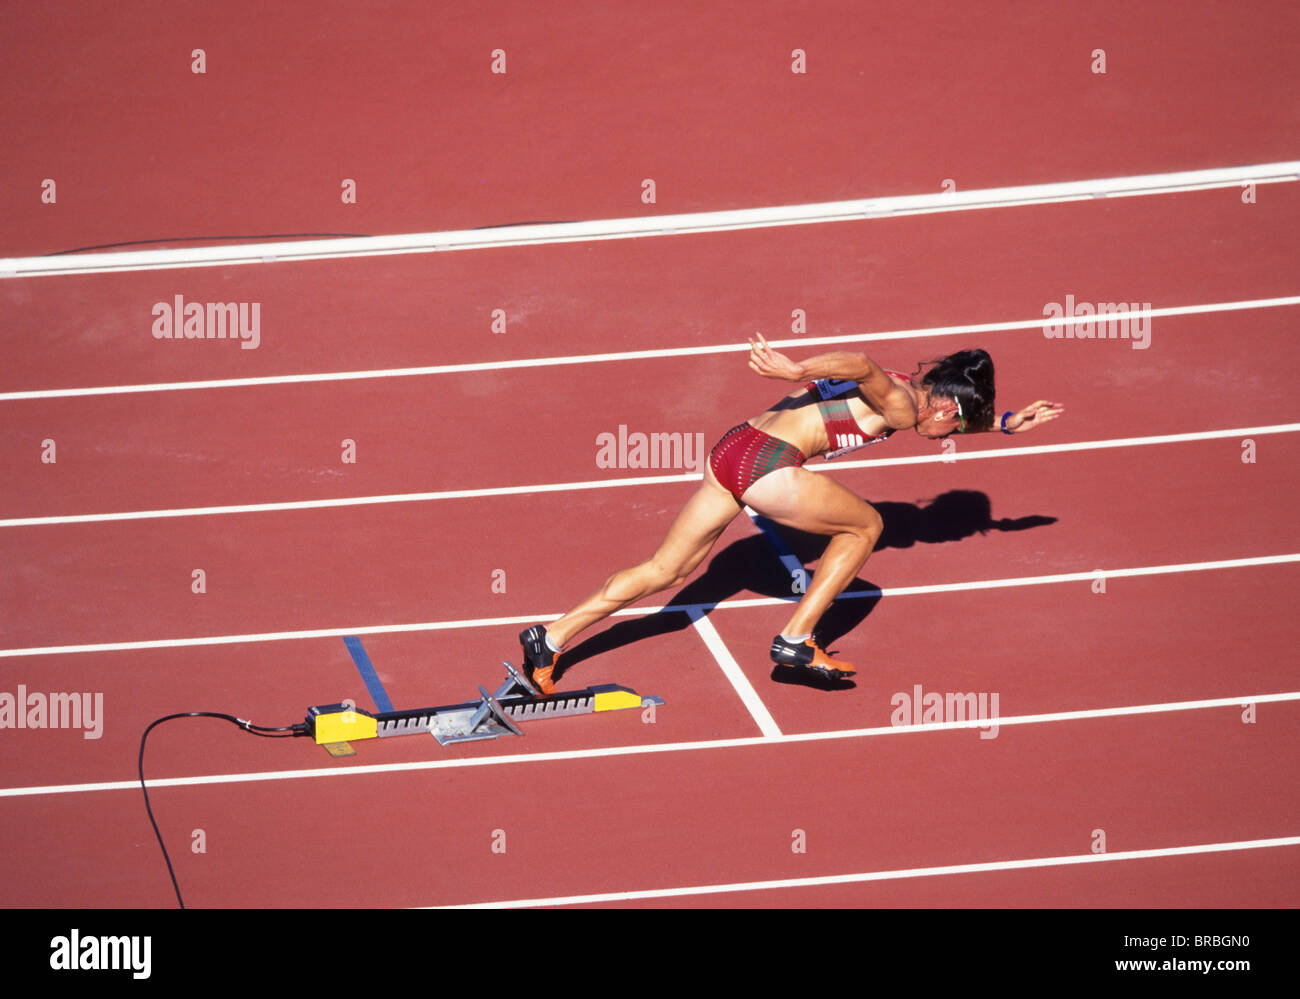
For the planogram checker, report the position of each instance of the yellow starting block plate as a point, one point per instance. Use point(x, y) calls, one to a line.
point(337, 723)
point(612, 698)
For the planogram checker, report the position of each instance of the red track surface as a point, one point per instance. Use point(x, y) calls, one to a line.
point(700, 98)
point(901, 99)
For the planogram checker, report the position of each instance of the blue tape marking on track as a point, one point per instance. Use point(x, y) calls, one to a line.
point(783, 552)
point(368, 674)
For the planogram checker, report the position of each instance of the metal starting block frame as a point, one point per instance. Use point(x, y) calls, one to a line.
point(492, 716)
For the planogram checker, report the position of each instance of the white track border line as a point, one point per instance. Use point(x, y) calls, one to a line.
point(653, 225)
point(492, 622)
point(652, 748)
point(635, 480)
point(732, 671)
point(470, 367)
point(896, 875)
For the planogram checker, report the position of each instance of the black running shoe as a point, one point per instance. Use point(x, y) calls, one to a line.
point(809, 655)
point(539, 660)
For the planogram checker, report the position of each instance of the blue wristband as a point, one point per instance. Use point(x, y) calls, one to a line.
point(1005, 416)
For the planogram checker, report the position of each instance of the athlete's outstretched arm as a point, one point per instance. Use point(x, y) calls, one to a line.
point(879, 389)
point(841, 364)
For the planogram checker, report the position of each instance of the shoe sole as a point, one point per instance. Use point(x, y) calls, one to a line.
point(829, 672)
point(825, 671)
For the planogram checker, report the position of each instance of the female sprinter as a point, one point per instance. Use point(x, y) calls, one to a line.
point(845, 401)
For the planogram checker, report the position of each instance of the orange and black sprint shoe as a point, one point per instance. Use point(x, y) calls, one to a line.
point(539, 660)
point(809, 655)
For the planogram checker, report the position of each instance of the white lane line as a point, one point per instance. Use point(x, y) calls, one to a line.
point(653, 225)
point(1021, 452)
point(896, 875)
point(641, 355)
point(666, 747)
point(732, 671)
point(490, 622)
point(636, 480)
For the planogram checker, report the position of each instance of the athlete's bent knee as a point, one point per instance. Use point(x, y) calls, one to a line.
point(872, 524)
point(667, 577)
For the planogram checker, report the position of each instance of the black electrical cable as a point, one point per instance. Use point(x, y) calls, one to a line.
point(210, 239)
point(263, 237)
point(284, 732)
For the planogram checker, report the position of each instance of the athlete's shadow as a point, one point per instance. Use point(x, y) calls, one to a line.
point(755, 564)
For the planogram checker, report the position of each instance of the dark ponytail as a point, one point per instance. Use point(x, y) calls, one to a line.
point(968, 377)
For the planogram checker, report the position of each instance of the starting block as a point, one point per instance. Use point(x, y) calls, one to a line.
point(492, 716)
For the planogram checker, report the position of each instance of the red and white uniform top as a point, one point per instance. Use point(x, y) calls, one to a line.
point(842, 430)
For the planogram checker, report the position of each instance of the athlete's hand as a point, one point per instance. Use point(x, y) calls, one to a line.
point(771, 363)
point(1034, 415)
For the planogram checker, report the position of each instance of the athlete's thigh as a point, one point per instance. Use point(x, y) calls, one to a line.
point(697, 526)
point(808, 501)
